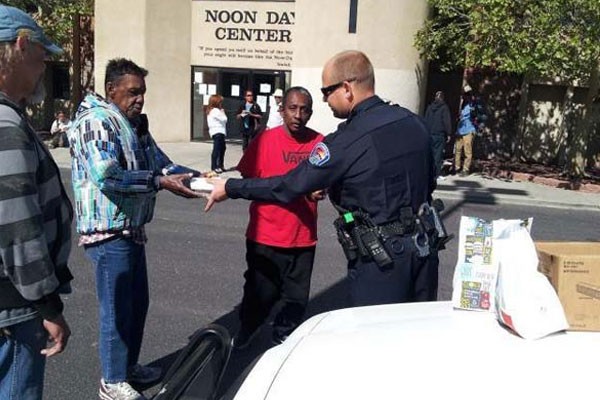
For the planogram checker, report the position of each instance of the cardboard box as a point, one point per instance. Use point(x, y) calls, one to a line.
point(574, 270)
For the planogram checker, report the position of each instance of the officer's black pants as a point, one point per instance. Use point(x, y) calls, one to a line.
point(410, 279)
point(276, 273)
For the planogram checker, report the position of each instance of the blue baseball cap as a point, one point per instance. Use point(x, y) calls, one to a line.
point(15, 23)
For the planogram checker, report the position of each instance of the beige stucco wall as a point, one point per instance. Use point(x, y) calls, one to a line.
point(168, 103)
point(119, 32)
point(385, 31)
point(157, 35)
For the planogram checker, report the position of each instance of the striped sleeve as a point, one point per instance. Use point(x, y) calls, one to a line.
point(23, 243)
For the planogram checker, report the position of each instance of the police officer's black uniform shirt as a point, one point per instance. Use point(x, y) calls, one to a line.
point(379, 161)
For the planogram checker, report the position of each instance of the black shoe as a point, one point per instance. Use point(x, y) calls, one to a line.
point(464, 173)
point(243, 338)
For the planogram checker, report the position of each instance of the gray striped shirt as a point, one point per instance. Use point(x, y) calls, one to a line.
point(35, 222)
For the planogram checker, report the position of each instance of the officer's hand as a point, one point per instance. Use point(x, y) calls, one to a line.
point(58, 335)
point(218, 193)
point(317, 195)
point(178, 184)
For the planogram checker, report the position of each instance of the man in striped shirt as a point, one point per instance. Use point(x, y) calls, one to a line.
point(35, 218)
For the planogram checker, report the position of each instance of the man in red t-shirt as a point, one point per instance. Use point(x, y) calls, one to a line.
point(281, 238)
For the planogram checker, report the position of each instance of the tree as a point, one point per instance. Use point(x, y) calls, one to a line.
point(540, 39)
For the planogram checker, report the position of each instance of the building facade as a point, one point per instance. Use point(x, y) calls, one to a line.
point(195, 48)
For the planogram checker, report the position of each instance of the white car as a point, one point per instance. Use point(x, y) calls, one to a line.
point(421, 351)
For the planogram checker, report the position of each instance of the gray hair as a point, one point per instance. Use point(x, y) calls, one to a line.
point(9, 56)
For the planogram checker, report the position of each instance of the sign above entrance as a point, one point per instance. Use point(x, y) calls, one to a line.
point(243, 34)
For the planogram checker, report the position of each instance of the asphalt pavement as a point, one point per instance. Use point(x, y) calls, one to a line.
point(196, 264)
point(474, 188)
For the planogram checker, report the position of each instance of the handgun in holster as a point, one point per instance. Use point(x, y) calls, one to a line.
point(348, 244)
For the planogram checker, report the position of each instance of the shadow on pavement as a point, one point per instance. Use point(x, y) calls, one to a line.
point(335, 297)
point(475, 192)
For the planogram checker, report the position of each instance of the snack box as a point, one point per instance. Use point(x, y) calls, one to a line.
point(200, 185)
point(573, 268)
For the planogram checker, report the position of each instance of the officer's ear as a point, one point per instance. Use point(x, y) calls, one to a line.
point(348, 94)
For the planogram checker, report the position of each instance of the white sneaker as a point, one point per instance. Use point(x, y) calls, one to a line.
point(118, 391)
point(441, 178)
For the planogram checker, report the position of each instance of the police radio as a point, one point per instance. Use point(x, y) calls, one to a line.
point(358, 235)
point(374, 247)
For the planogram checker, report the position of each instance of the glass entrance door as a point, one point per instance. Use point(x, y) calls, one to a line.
point(232, 85)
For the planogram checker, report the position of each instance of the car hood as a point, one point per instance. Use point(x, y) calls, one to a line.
point(424, 350)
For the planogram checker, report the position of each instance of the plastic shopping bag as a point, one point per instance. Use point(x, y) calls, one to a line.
point(526, 302)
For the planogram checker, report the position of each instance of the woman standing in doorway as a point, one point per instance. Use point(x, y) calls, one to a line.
point(217, 121)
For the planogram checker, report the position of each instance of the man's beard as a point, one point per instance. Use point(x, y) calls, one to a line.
point(38, 95)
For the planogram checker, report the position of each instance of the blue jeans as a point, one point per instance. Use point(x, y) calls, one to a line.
point(122, 290)
point(21, 363)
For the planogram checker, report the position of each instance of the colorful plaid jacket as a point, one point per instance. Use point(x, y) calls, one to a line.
point(115, 163)
point(35, 223)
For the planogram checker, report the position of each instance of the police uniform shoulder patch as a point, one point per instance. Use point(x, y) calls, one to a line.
point(319, 154)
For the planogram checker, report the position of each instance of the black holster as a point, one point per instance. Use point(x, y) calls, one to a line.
point(361, 238)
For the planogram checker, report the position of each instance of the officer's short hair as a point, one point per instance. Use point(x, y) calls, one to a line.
point(297, 89)
point(353, 65)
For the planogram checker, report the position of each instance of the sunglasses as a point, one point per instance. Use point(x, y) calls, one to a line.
point(327, 90)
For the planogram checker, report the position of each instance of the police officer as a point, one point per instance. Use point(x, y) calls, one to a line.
point(379, 170)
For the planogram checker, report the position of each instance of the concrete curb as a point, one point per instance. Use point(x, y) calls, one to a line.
point(484, 190)
point(486, 198)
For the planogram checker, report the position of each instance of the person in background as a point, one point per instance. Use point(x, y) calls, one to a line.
point(217, 129)
point(35, 218)
point(437, 119)
point(275, 118)
point(465, 133)
point(59, 129)
point(280, 238)
point(249, 114)
point(116, 174)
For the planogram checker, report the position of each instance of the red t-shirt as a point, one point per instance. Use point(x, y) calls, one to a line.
point(275, 152)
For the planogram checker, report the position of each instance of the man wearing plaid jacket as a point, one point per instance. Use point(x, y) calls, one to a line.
point(116, 171)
